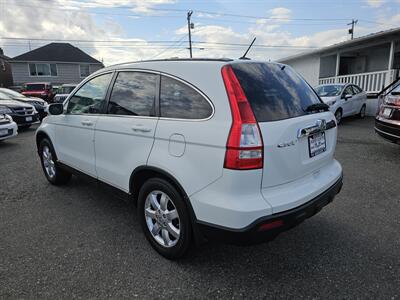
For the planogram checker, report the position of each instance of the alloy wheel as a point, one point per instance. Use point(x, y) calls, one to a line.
point(338, 116)
point(162, 218)
point(362, 112)
point(48, 162)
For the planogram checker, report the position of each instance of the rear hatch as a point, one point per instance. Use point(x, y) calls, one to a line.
point(298, 133)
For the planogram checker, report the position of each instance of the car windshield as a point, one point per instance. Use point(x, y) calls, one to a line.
point(34, 87)
point(329, 90)
point(65, 89)
point(11, 93)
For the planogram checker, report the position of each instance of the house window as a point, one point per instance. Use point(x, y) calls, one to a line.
point(43, 70)
point(84, 70)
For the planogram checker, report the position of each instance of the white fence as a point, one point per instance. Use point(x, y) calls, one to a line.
point(372, 82)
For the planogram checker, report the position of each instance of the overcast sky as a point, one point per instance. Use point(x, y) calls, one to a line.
point(126, 30)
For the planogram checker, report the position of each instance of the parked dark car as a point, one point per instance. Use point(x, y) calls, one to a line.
point(23, 114)
point(43, 90)
point(387, 122)
point(37, 103)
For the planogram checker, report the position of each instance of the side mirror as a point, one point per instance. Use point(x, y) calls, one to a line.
point(347, 97)
point(56, 109)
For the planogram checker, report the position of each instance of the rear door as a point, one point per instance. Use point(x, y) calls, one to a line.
point(125, 135)
point(296, 142)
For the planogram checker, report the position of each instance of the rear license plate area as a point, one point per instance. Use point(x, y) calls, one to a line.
point(316, 144)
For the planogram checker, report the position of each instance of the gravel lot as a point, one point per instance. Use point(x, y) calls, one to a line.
point(82, 241)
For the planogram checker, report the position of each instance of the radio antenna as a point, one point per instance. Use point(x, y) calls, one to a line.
point(244, 55)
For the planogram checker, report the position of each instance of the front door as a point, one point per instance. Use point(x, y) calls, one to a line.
point(75, 128)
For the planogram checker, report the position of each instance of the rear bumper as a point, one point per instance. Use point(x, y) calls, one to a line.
point(388, 131)
point(268, 227)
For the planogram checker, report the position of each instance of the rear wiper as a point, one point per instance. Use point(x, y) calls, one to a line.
point(317, 107)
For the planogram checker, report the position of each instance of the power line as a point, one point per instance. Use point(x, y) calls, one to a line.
point(179, 43)
point(218, 14)
point(145, 43)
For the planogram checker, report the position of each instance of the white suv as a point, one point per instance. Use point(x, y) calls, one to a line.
point(232, 150)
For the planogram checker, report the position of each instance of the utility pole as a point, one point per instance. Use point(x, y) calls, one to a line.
point(190, 26)
point(351, 30)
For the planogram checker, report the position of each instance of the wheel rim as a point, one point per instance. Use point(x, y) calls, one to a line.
point(362, 111)
point(48, 162)
point(338, 116)
point(162, 219)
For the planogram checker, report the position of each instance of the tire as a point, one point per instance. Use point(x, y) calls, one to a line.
point(338, 116)
point(172, 232)
point(361, 114)
point(54, 174)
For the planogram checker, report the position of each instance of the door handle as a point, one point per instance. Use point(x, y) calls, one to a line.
point(140, 128)
point(87, 123)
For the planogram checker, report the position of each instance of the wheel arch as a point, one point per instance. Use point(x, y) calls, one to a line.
point(40, 135)
point(142, 173)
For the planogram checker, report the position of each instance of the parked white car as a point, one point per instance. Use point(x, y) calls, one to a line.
point(8, 128)
point(343, 99)
point(231, 150)
point(63, 92)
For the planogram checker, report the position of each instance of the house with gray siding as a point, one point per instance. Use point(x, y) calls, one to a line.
point(57, 63)
point(371, 61)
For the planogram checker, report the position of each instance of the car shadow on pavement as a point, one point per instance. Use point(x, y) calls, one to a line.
point(307, 244)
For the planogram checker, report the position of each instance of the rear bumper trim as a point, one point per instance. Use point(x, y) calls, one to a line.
point(286, 220)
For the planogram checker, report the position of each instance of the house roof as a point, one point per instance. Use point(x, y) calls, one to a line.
point(2, 56)
point(57, 52)
point(352, 42)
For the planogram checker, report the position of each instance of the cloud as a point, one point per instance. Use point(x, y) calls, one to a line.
point(280, 13)
point(16, 22)
point(139, 6)
point(375, 3)
point(62, 24)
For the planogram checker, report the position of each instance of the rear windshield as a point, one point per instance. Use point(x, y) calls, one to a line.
point(275, 92)
point(34, 87)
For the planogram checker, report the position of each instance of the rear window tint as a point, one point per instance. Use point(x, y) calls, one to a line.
point(275, 92)
point(177, 100)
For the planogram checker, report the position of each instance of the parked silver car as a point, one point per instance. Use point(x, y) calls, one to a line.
point(344, 99)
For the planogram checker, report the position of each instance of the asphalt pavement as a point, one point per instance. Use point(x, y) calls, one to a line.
point(83, 241)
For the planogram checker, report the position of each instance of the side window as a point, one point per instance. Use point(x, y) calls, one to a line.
point(348, 91)
point(89, 99)
point(357, 89)
point(133, 94)
point(177, 100)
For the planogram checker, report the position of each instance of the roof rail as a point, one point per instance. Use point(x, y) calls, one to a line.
point(174, 59)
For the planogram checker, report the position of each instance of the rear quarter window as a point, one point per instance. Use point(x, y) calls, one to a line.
point(275, 92)
point(180, 101)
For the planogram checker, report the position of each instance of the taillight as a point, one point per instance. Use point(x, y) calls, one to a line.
point(392, 100)
point(244, 148)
